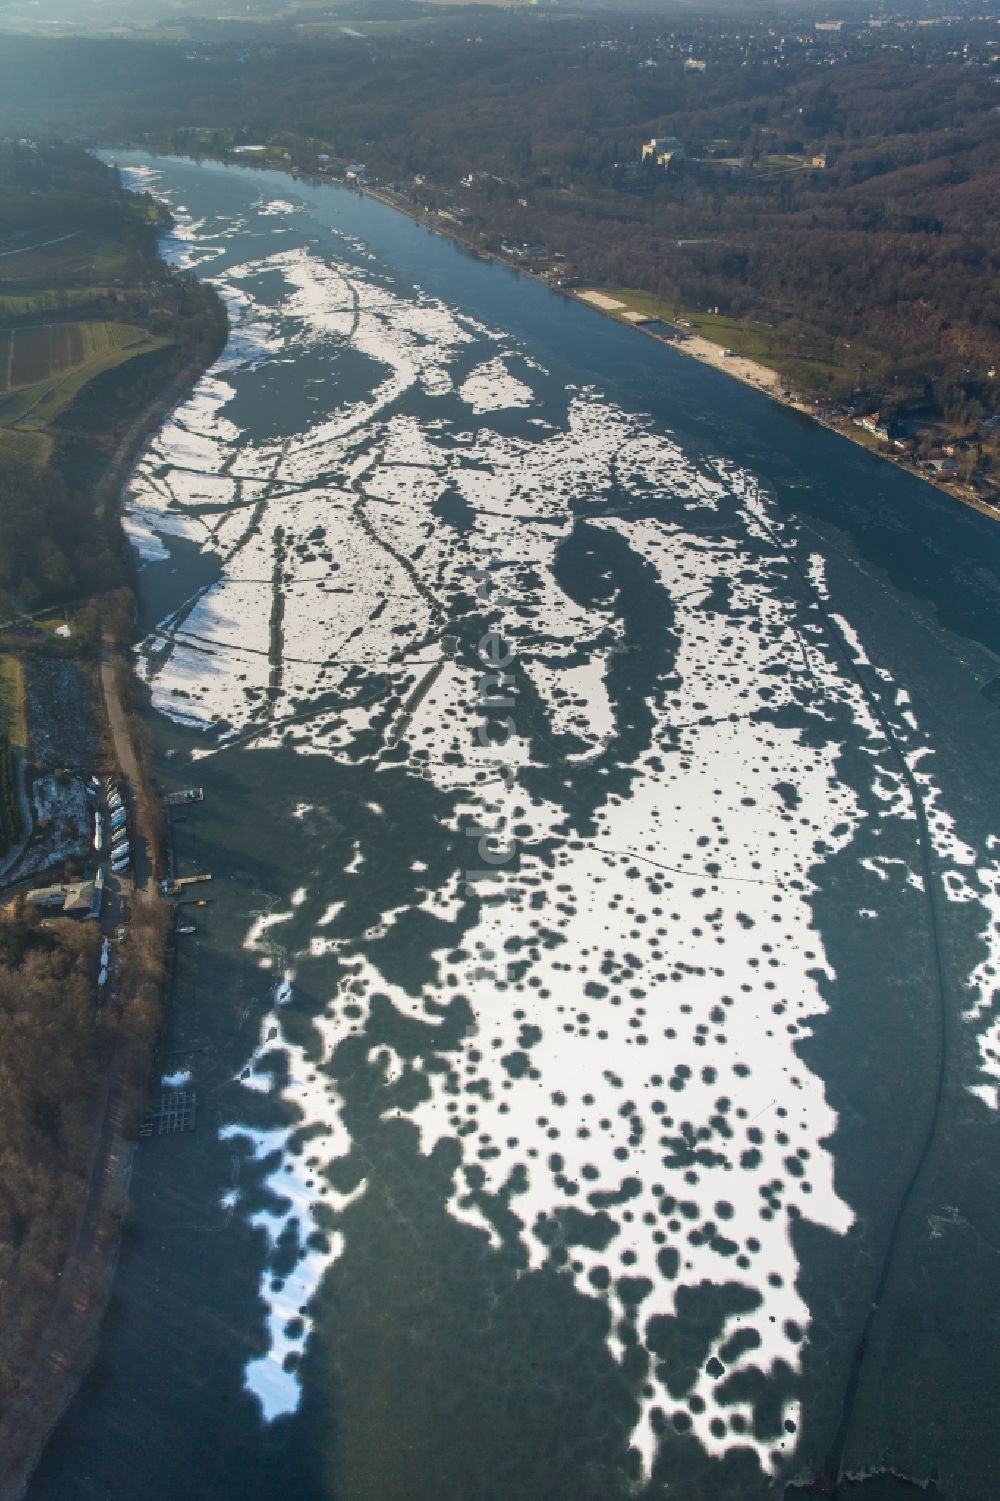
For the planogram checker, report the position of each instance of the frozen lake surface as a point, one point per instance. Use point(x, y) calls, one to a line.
point(597, 1013)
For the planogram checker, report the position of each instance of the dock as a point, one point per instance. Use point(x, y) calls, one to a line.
point(173, 888)
point(176, 1112)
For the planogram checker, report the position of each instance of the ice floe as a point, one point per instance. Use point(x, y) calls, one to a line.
point(601, 657)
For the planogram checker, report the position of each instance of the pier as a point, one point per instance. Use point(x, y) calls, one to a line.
point(174, 887)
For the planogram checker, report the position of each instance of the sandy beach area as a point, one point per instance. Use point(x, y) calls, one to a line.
point(737, 365)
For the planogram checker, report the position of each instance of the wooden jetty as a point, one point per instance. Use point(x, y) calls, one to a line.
point(173, 888)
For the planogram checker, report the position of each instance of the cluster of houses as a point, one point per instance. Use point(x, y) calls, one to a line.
point(522, 250)
point(704, 43)
point(875, 424)
point(904, 438)
point(663, 150)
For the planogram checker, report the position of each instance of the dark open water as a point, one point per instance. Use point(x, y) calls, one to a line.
point(586, 1191)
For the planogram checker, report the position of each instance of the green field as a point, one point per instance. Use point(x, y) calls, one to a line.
point(13, 725)
point(784, 163)
point(40, 350)
point(43, 367)
point(82, 258)
point(17, 304)
point(804, 368)
point(749, 339)
point(26, 446)
point(52, 625)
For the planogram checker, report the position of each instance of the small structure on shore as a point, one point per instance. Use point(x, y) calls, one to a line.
point(72, 899)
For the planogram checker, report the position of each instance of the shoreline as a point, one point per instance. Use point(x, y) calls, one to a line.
point(738, 367)
point(748, 372)
point(70, 1343)
point(767, 381)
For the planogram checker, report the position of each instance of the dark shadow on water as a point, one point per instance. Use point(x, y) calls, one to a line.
point(874, 1488)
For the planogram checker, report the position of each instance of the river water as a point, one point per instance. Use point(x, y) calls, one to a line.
point(594, 1012)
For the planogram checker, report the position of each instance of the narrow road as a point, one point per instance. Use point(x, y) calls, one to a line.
point(41, 245)
point(142, 861)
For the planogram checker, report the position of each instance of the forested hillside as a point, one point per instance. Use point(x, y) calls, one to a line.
point(52, 1081)
point(93, 328)
point(839, 190)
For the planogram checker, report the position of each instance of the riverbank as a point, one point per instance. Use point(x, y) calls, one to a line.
point(70, 1342)
point(105, 429)
point(265, 964)
point(768, 381)
point(738, 367)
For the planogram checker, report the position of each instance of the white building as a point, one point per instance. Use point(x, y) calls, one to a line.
point(663, 150)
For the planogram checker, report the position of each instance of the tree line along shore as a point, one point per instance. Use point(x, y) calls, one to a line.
point(96, 334)
point(821, 199)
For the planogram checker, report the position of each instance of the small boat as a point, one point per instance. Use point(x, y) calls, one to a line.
point(187, 928)
point(121, 852)
point(118, 821)
point(119, 866)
